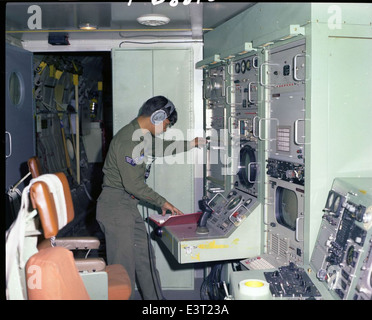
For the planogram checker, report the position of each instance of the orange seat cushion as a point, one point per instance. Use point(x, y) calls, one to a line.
point(52, 275)
point(119, 287)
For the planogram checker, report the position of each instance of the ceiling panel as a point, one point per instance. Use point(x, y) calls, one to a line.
point(118, 15)
point(216, 13)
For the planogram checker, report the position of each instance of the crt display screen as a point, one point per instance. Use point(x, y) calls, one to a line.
point(286, 207)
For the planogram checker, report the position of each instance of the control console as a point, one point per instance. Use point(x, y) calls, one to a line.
point(229, 213)
point(291, 281)
point(343, 246)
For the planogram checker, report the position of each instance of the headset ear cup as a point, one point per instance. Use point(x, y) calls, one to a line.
point(158, 116)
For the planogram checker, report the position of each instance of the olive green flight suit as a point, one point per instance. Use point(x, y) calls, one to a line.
point(123, 187)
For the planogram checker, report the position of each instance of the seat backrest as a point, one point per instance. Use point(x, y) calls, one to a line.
point(54, 214)
point(34, 167)
point(43, 202)
point(68, 197)
point(52, 275)
point(49, 196)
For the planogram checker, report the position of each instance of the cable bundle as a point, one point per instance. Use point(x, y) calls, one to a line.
point(211, 288)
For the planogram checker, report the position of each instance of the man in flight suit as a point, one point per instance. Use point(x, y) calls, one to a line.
point(124, 185)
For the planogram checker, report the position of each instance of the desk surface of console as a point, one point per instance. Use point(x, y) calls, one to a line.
point(187, 246)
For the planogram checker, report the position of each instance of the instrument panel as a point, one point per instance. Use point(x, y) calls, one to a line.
point(230, 212)
point(341, 257)
point(340, 267)
point(242, 97)
point(291, 281)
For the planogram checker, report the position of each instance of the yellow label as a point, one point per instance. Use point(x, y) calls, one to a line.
point(42, 65)
point(51, 71)
point(254, 284)
point(75, 79)
point(58, 74)
point(212, 245)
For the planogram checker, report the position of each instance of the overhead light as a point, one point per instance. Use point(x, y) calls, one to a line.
point(87, 26)
point(153, 20)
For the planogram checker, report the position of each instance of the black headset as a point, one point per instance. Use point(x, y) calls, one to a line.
point(160, 115)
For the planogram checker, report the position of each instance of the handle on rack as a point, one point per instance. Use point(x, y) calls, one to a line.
point(204, 90)
point(295, 66)
point(261, 78)
point(226, 97)
point(228, 65)
point(259, 127)
point(254, 126)
point(296, 234)
point(229, 124)
point(249, 92)
point(296, 132)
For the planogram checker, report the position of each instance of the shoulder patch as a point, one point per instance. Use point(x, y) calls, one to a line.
point(130, 161)
point(134, 162)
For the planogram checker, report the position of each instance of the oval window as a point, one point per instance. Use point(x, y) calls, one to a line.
point(15, 88)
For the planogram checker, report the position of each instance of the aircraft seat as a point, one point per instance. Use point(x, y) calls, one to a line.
point(52, 275)
point(55, 214)
point(71, 243)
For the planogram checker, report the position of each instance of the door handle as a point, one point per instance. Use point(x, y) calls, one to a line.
point(10, 144)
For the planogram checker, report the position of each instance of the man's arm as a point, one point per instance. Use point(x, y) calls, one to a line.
point(132, 177)
point(162, 148)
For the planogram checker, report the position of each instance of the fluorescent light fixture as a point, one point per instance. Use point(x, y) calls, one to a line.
point(87, 26)
point(153, 20)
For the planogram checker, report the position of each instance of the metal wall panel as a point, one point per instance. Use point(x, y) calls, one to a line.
point(132, 84)
point(137, 76)
point(339, 109)
point(349, 106)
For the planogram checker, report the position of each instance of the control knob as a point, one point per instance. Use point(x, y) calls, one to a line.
point(290, 174)
point(322, 275)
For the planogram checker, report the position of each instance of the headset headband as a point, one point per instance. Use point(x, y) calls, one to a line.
point(169, 105)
